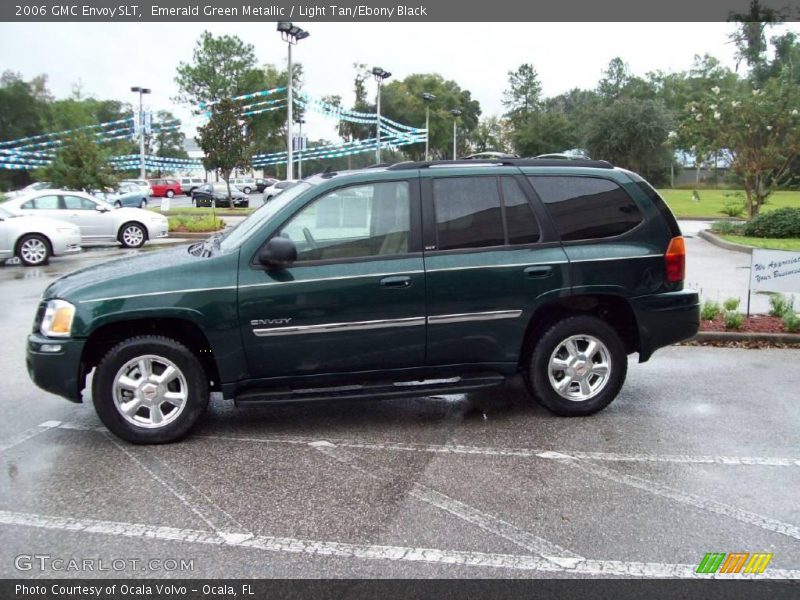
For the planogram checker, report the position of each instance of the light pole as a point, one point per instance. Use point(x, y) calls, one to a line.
point(456, 113)
point(300, 122)
point(428, 98)
point(142, 91)
point(291, 34)
point(379, 75)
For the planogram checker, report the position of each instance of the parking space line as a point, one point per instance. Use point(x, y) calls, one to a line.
point(523, 452)
point(188, 495)
point(494, 525)
point(24, 436)
point(659, 489)
point(612, 568)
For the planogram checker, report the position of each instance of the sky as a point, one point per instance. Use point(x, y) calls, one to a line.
point(106, 59)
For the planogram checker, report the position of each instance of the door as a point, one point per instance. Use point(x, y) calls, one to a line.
point(488, 265)
point(43, 206)
point(94, 224)
point(5, 237)
point(354, 300)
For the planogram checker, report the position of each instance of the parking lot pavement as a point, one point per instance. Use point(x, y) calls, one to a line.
point(698, 454)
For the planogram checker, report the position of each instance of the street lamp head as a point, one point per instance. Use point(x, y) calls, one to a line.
point(377, 71)
point(284, 26)
point(428, 97)
point(136, 88)
point(455, 112)
point(303, 34)
point(291, 33)
point(141, 90)
point(380, 74)
point(385, 75)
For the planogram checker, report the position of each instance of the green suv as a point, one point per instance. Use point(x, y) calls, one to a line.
point(406, 280)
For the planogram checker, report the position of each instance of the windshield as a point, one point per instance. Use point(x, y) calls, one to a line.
point(242, 231)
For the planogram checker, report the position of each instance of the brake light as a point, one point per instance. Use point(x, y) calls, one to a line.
point(675, 260)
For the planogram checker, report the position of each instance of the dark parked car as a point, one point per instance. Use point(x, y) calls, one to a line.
point(262, 184)
point(405, 280)
point(216, 194)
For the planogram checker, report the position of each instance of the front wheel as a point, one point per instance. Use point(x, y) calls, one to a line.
point(132, 235)
point(33, 250)
point(150, 390)
point(117, 204)
point(143, 203)
point(246, 190)
point(170, 194)
point(577, 367)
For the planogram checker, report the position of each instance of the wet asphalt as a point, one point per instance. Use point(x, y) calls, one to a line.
point(699, 453)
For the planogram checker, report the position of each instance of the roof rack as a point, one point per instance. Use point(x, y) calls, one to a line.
point(509, 162)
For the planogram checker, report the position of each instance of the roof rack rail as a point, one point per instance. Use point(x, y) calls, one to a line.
point(510, 162)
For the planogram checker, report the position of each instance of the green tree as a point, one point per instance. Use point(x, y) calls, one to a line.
point(544, 132)
point(80, 164)
point(616, 78)
point(633, 134)
point(524, 92)
point(225, 140)
point(491, 134)
point(750, 37)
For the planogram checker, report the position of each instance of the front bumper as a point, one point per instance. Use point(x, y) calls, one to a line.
point(55, 371)
point(157, 230)
point(665, 319)
point(67, 245)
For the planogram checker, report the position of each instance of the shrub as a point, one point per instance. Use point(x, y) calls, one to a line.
point(194, 223)
point(791, 322)
point(734, 204)
point(731, 304)
point(780, 305)
point(728, 227)
point(733, 319)
point(781, 223)
point(710, 310)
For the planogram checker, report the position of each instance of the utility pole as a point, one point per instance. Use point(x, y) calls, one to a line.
point(142, 91)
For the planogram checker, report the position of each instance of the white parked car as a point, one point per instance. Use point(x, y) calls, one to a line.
point(142, 184)
point(97, 220)
point(39, 185)
point(277, 187)
point(35, 239)
point(246, 184)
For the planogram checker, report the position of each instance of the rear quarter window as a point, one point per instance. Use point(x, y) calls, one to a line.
point(584, 208)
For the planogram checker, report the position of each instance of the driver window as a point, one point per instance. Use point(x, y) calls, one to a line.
point(353, 222)
point(78, 203)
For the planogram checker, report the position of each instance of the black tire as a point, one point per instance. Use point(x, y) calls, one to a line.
point(143, 203)
point(246, 190)
point(118, 204)
point(268, 198)
point(34, 250)
point(170, 194)
point(129, 237)
point(581, 328)
point(176, 425)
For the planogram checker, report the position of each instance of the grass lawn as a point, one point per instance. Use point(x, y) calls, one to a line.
point(770, 243)
point(194, 223)
point(712, 202)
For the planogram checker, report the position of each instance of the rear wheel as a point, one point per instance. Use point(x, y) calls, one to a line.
point(33, 250)
point(246, 190)
point(143, 203)
point(132, 235)
point(150, 390)
point(118, 204)
point(170, 194)
point(577, 367)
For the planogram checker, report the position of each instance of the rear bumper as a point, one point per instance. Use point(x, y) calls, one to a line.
point(665, 319)
point(55, 372)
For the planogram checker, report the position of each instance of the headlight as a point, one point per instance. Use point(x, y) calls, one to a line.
point(57, 320)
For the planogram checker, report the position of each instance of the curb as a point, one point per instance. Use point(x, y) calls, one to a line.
point(718, 241)
point(791, 339)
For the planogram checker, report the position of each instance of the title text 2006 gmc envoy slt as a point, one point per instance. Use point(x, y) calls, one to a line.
point(405, 280)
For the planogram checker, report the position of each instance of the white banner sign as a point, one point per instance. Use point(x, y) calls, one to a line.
point(775, 271)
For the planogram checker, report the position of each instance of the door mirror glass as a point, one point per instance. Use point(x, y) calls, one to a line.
point(279, 252)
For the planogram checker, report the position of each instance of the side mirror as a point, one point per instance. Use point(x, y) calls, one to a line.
point(279, 252)
point(101, 209)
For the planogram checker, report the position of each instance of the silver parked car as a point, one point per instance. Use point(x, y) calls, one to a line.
point(246, 184)
point(97, 220)
point(142, 184)
point(35, 239)
point(190, 184)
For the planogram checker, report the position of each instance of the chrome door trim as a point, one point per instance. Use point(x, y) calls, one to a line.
point(337, 327)
point(478, 316)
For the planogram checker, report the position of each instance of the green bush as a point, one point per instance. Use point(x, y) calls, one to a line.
point(781, 223)
point(734, 204)
point(728, 227)
point(731, 304)
point(733, 319)
point(791, 322)
point(710, 310)
point(194, 223)
point(780, 305)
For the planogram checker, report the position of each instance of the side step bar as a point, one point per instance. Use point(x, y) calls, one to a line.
point(372, 390)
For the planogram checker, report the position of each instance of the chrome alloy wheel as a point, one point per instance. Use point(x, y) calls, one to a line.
point(150, 391)
point(579, 368)
point(33, 251)
point(133, 236)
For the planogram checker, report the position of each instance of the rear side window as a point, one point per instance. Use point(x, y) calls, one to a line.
point(584, 208)
point(468, 212)
point(522, 225)
point(42, 203)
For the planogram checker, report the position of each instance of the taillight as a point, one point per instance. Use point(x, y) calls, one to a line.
point(675, 260)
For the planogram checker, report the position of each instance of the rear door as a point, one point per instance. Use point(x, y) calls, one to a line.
point(490, 260)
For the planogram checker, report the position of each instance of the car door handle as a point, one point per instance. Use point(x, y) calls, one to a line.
point(538, 272)
point(396, 281)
